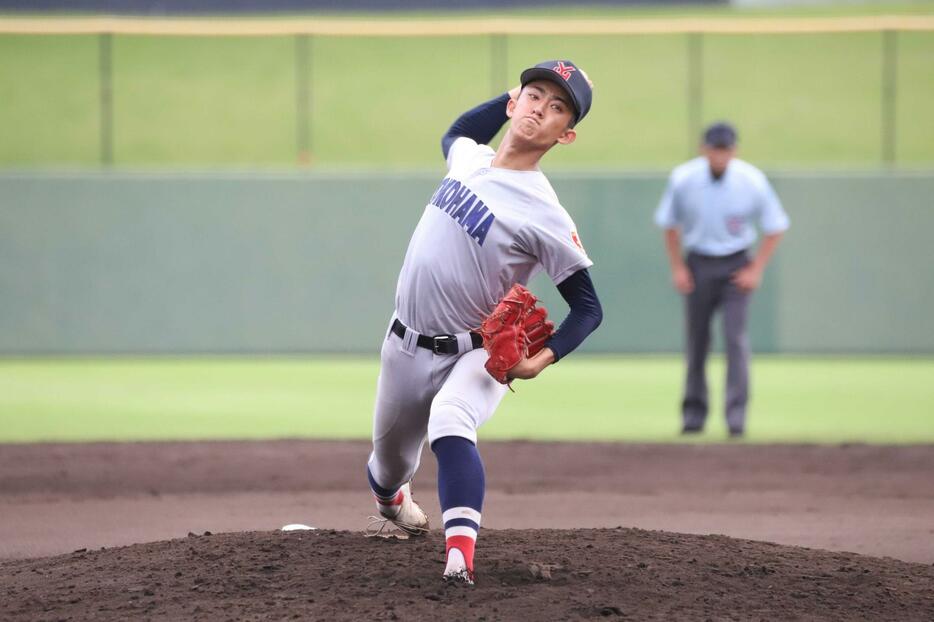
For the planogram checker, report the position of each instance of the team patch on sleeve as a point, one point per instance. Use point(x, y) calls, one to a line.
point(577, 241)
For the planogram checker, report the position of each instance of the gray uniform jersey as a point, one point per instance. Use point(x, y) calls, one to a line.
point(483, 230)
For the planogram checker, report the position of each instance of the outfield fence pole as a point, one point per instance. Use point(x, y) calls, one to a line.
point(499, 57)
point(889, 94)
point(105, 68)
point(695, 93)
point(302, 100)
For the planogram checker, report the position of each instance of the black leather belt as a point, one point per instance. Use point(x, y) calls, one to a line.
point(729, 257)
point(439, 344)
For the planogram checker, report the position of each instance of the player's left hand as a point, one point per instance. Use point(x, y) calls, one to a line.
point(514, 334)
point(747, 278)
point(531, 366)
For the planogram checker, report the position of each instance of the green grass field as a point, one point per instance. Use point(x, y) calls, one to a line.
point(823, 400)
point(800, 100)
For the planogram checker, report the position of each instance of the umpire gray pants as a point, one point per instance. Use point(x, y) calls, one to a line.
point(712, 291)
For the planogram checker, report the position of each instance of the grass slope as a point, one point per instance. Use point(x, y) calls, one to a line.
point(799, 100)
point(826, 400)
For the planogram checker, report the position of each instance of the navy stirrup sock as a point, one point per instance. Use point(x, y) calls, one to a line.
point(461, 484)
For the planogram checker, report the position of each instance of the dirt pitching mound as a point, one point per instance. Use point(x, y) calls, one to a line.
point(521, 575)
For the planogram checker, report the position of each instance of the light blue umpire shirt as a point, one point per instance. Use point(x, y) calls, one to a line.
point(718, 216)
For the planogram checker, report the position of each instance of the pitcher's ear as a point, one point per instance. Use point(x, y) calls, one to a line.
point(568, 137)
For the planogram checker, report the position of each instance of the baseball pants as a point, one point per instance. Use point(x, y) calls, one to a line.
point(712, 291)
point(422, 396)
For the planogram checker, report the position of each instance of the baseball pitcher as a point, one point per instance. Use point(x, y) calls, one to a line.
point(464, 326)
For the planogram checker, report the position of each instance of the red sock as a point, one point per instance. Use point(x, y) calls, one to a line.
point(465, 545)
point(392, 504)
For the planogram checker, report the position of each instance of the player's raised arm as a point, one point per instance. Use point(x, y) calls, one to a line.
point(480, 123)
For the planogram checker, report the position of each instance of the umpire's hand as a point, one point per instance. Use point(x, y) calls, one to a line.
point(682, 279)
point(747, 278)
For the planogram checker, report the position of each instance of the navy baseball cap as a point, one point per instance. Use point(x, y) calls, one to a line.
point(720, 135)
point(568, 76)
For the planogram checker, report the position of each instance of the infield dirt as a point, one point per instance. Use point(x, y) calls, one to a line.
point(75, 500)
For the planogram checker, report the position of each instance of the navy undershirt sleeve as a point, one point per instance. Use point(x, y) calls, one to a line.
point(584, 317)
point(479, 124)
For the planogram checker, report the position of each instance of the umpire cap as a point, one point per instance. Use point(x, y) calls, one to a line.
point(568, 76)
point(720, 135)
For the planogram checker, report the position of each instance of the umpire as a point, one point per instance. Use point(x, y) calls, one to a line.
point(709, 210)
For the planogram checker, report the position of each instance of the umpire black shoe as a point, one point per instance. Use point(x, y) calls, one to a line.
point(691, 429)
point(736, 433)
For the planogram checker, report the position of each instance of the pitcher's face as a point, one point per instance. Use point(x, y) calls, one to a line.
point(542, 114)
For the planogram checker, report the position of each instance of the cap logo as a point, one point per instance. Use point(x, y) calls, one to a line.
point(564, 70)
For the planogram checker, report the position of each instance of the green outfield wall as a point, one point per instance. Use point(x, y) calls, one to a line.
point(272, 263)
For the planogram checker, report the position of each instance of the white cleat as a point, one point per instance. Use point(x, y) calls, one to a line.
point(461, 577)
point(456, 571)
point(406, 515)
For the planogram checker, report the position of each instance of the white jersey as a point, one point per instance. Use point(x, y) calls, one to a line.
point(483, 230)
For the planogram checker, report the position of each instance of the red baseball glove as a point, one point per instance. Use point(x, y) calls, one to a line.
point(514, 330)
